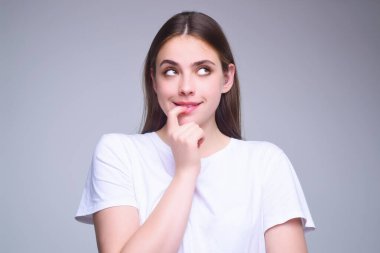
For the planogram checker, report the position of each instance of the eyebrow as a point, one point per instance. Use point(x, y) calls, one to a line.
point(197, 63)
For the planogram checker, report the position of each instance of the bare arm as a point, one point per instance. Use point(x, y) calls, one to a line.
point(286, 238)
point(117, 228)
point(113, 226)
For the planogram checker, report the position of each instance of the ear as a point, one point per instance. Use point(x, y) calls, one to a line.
point(229, 78)
point(152, 76)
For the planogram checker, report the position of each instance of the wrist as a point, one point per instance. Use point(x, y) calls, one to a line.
point(188, 173)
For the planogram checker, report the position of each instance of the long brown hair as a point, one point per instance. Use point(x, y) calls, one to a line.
point(199, 25)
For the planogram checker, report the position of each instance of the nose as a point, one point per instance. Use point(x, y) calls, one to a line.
point(186, 86)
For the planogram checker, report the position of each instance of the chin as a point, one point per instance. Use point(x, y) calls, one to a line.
point(185, 120)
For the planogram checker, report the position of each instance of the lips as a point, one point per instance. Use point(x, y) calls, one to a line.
point(191, 106)
point(187, 104)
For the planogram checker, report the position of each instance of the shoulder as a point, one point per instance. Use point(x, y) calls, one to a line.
point(265, 156)
point(119, 139)
point(111, 141)
point(262, 148)
point(119, 143)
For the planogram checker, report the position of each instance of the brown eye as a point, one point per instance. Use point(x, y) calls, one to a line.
point(170, 72)
point(203, 71)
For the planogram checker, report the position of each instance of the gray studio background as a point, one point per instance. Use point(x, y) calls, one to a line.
point(70, 71)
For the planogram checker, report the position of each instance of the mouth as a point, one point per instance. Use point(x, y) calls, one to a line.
point(189, 105)
point(186, 104)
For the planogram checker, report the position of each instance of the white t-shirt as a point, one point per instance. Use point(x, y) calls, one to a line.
point(242, 190)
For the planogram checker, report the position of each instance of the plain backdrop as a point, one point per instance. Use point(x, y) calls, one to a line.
point(71, 71)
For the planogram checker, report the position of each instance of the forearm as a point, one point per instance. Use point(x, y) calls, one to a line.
point(163, 230)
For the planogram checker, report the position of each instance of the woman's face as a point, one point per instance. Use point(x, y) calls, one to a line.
point(189, 73)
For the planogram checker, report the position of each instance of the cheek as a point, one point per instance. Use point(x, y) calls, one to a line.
point(216, 88)
point(163, 96)
point(164, 87)
point(219, 82)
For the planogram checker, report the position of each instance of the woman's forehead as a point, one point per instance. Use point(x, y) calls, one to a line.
point(187, 49)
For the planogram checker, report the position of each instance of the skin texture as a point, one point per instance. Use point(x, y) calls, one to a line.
point(189, 72)
point(287, 237)
point(188, 82)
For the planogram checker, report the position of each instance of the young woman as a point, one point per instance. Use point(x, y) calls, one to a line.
point(188, 183)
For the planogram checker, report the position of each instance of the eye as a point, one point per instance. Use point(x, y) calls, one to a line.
point(170, 72)
point(203, 71)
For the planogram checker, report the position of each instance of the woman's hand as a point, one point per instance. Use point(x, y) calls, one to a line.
point(184, 141)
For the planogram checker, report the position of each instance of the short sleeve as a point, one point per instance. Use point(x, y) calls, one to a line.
point(283, 198)
point(109, 182)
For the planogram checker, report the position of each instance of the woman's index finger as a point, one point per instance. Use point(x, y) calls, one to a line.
point(173, 116)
